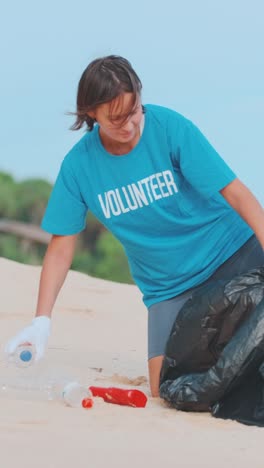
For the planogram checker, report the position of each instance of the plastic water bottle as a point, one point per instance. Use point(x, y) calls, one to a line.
point(76, 395)
point(24, 356)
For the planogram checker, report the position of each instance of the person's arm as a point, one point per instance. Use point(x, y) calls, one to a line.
point(56, 264)
point(246, 205)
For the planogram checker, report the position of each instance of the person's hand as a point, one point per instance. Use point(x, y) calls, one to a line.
point(37, 334)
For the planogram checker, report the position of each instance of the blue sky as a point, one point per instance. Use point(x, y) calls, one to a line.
point(201, 58)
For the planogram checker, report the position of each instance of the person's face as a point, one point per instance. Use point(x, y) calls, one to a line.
point(111, 118)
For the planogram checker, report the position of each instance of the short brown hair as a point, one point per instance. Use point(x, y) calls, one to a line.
point(102, 81)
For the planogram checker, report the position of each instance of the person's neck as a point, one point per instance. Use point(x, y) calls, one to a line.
point(117, 148)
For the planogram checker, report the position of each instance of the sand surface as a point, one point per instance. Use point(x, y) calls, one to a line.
point(99, 338)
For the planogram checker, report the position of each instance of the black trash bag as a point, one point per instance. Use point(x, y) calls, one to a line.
point(245, 403)
point(215, 350)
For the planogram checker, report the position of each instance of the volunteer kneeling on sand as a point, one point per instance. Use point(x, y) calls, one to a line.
point(151, 177)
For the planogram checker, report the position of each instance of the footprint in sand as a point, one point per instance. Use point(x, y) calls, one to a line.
point(122, 379)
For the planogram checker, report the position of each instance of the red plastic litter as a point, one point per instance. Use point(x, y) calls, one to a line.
point(120, 396)
point(87, 403)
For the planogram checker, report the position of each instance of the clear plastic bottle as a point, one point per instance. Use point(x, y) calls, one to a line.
point(24, 356)
point(77, 395)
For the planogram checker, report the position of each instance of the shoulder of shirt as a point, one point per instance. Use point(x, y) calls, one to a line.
point(172, 122)
point(75, 155)
point(165, 112)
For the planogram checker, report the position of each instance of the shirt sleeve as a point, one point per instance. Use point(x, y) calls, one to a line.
point(200, 163)
point(66, 211)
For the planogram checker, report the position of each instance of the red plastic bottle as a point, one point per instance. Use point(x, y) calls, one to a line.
point(120, 396)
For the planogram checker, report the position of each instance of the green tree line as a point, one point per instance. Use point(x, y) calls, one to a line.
point(98, 252)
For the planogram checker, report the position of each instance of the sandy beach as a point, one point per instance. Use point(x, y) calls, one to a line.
point(99, 337)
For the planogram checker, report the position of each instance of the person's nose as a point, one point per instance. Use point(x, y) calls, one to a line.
point(128, 125)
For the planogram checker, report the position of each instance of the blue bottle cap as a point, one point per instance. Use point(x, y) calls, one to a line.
point(25, 355)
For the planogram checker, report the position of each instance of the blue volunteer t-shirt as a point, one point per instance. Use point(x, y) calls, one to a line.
point(161, 200)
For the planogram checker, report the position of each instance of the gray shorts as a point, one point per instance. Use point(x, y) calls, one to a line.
point(162, 315)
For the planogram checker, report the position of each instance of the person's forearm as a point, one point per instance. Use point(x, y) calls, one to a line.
point(248, 207)
point(56, 264)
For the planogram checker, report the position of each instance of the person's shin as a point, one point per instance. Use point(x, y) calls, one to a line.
point(154, 365)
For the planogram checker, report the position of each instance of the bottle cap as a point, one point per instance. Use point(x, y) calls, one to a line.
point(25, 355)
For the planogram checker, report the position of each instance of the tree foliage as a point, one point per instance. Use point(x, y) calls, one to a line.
point(8, 202)
point(32, 198)
point(98, 253)
point(111, 262)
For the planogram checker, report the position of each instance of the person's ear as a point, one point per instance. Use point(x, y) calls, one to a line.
point(91, 114)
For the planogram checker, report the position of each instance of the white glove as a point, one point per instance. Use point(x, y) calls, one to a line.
point(37, 334)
